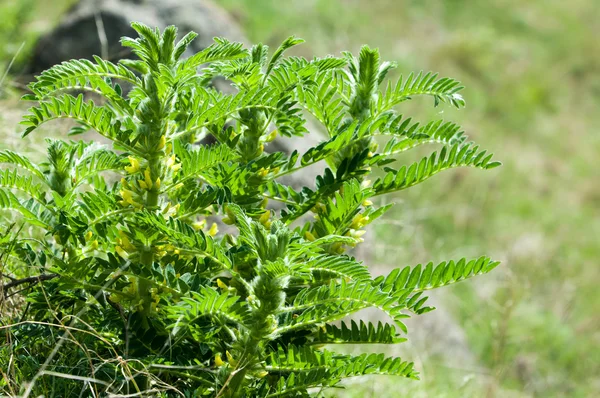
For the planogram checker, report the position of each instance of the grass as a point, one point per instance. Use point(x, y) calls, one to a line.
point(531, 70)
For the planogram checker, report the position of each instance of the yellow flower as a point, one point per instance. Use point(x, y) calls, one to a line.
point(367, 203)
point(172, 165)
point(218, 361)
point(263, 172)
point(127, 195)
point(230, 359)
point(157, 183)
point(128, 198)
point(359, 221)
point(121, 252)
point(171, 161)
point(88, 235)
point(221, 284)
point(126, 243)
point(142, 184)
point(94, 245)
point(135, 165)
point(271, 136)
point(357, 234)
point(214, 229)
point(199, 224)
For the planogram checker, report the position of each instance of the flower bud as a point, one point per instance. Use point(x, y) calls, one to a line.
point(171, 161)
point(148, 178)
point(264, 218)
point(214, 230)
point(161, 142)
point(271, 136)
point(309, 236)
point(262, 374)
point(357, 234)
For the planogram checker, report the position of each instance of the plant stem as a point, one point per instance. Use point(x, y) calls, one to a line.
point(153, 191)
point(143, 285)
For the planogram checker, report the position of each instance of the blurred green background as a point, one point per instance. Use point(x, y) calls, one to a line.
point(532, 76)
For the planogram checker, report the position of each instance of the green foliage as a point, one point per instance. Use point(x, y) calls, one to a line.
point(124, 244)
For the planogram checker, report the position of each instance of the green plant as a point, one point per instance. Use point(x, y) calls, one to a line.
point(154, 302)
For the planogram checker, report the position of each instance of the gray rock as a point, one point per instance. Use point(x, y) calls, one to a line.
point(94, 27)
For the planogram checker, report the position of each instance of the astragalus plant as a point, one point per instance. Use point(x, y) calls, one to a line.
point(130, 286)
